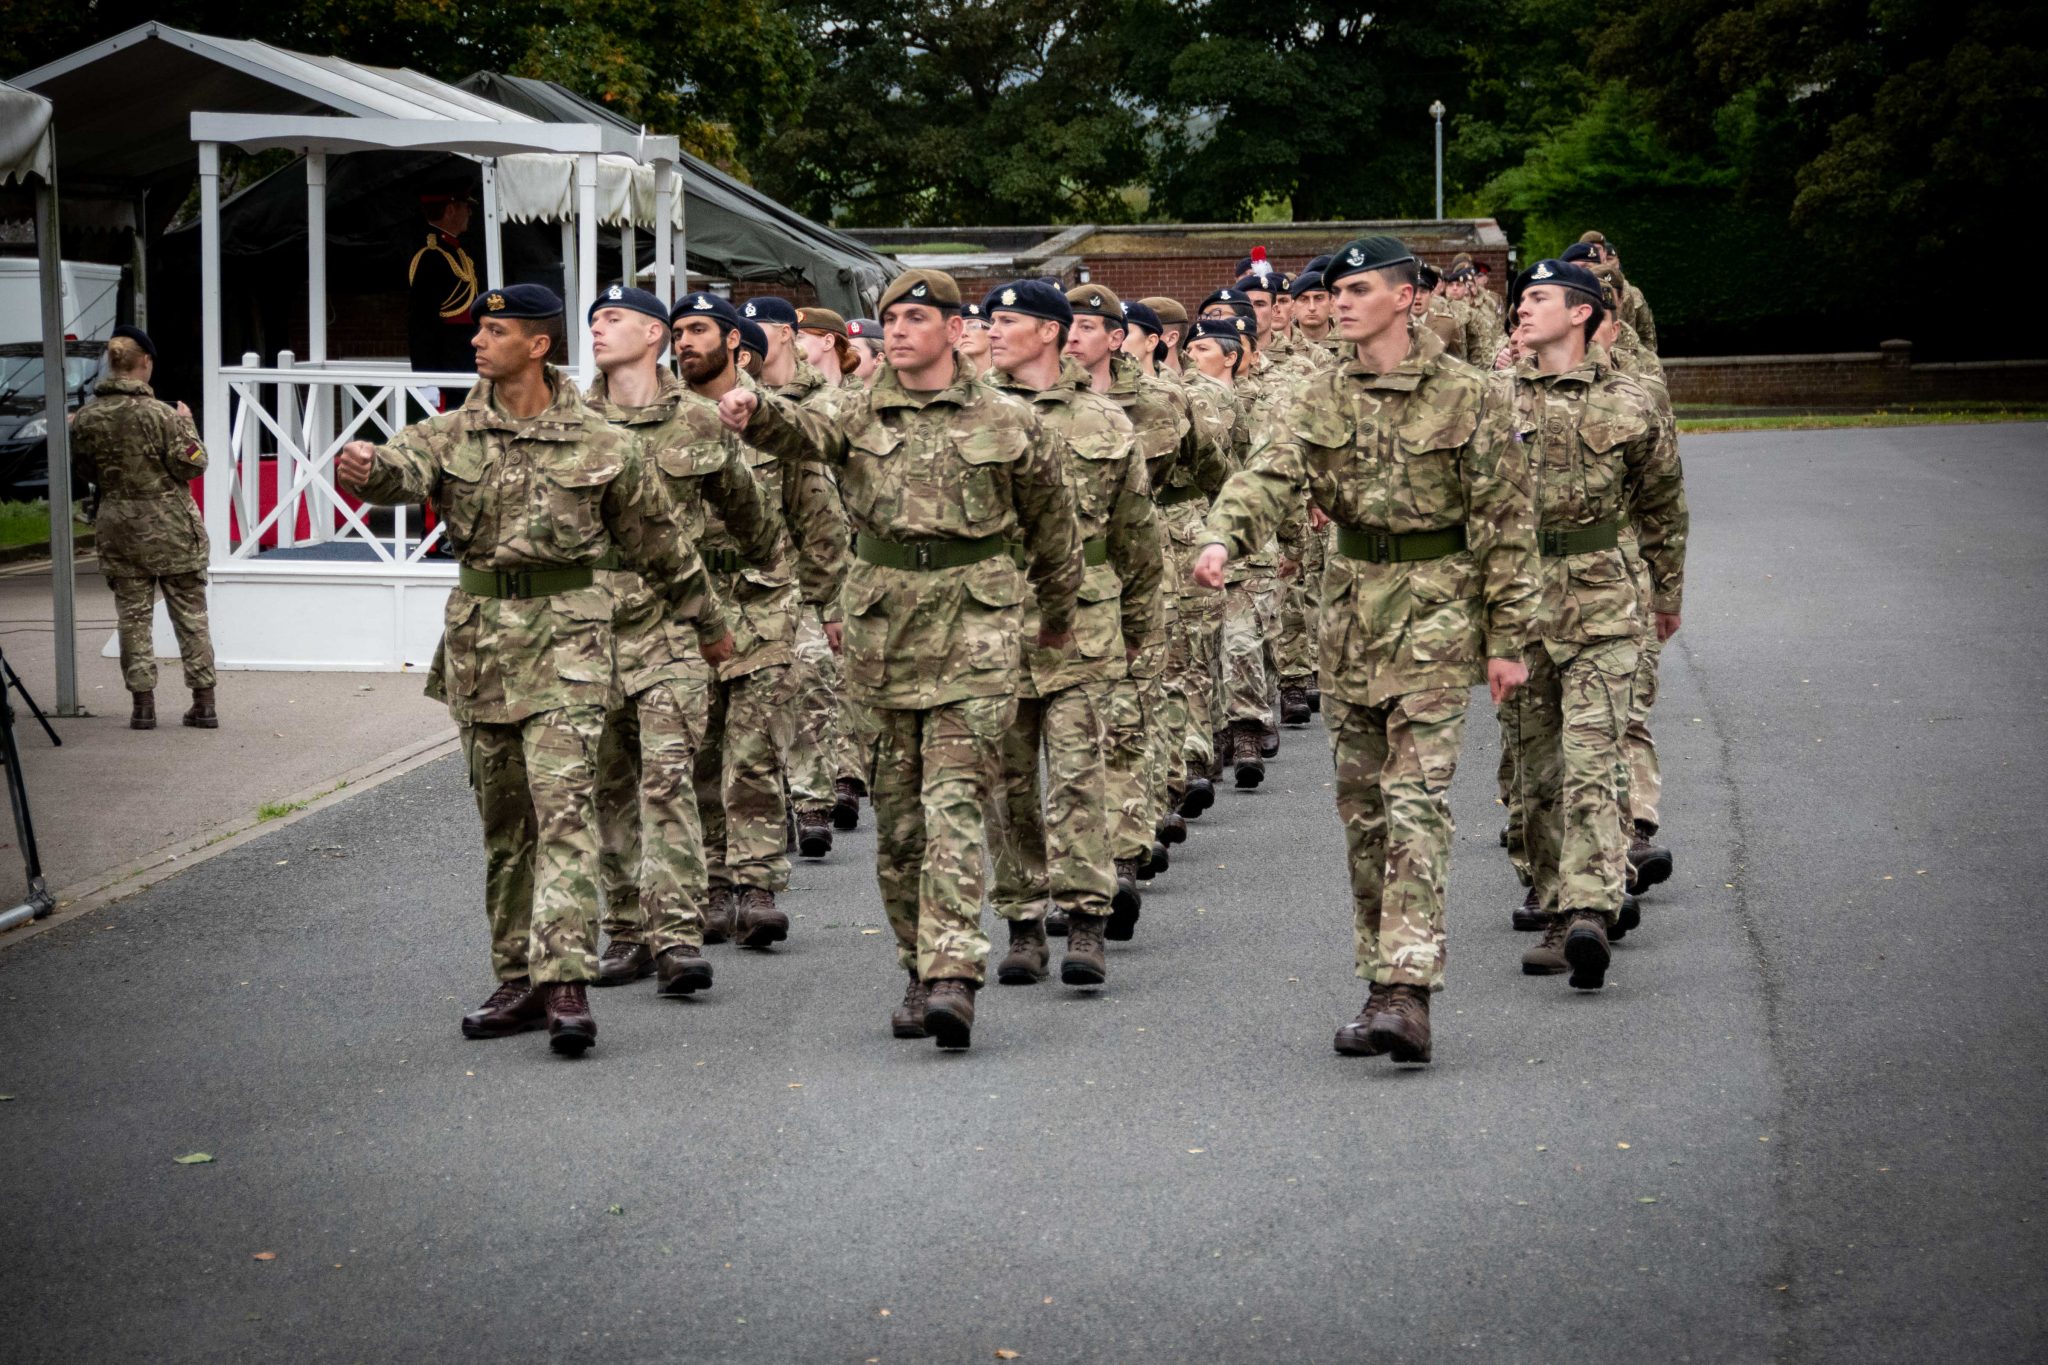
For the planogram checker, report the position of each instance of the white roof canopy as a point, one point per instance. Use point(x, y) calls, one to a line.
point(25, 144)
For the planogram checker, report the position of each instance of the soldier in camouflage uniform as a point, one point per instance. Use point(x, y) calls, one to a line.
point(142, 454)
point(1219, 349)
point(821, 570)
point(1632, 308)
point(939, 472)
point(653, 871)
point(1431, 588)
point(740, 794)
point(1057, 847)
point(1602, 456)
point(536, 490)
point(1300, 600)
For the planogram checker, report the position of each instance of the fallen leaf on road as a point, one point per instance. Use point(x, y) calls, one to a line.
point(1046, 1300)
point(796, 1085)
point(1622, 1145)
point(1005, 1354)
point(193, 1159)
point(871, 931)
point(1541, 1148)
point(615, 1208)
point(1196, 1151)
point(5, 1098)
point(1646, 1199)
point(264, 1256)
point(286, 862)
point(883, 1314)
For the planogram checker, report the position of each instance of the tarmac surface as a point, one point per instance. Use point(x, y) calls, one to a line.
point(1796, 1126)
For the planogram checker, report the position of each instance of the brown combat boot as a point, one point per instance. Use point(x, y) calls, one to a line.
point(1629, 917)
point(1056, 922)
point(949, 1013)
point(719, 911)
point(1126, 903)
point(1269, 741)
point(1084, 964)
point(681, 970)
point(1401, 1029)
point(846, 794)
point(1529, 914)
point(1585, 948)
point(143, 716)
point(1546, 958)
point(1293, 705)
point(907, 1019)
point(1245, 737)
point(814, 831)
point(201, 715)
point(515, 1007)
point(623, 963)
point(1219, 753)
point(1025, 963)
point(1355, 1038)
point(1172, 829)
point(1200, 795)
point(571, 1029)
point(1650, 864)
point(760, 923)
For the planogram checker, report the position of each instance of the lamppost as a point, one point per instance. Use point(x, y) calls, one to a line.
point(1436, 111)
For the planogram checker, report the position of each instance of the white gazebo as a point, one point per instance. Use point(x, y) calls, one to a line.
point(300, 576)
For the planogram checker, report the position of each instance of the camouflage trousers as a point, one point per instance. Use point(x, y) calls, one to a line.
point(1055, 845)
point(1301, 603)
point(748, 725)
point(1166, 717)
point(1127, 723)
point(1250, 623)
point(1192, 670)
point(934, 775)
point(135, 611)
point(1569, 721)
point(819, 748)
point(1394, 767)
point(652, 868)
point(1645, 790)
point(536, 791)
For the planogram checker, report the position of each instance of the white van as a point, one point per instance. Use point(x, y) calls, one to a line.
point(90, 294)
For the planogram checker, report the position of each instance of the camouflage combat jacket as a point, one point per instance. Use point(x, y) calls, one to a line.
point(564, 488)
point(810, 501)
point(964, 463)
point(1105, 472)
point(1424, 447)
point(1259, 395)
point(700, 464)
point(1602, 455)
point(142, 456)
point(1184, 434)
point(1634, 309)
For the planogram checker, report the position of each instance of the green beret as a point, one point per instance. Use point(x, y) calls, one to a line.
point(933, 287)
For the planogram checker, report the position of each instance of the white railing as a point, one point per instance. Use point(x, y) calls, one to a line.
point(295, 417)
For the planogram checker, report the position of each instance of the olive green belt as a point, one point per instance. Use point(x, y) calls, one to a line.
point(1094, 551)
point(534, 582)
point(927, 554)
point(1578, 540)
point(1384, 547)
point(715, 561)
point(1168, 497)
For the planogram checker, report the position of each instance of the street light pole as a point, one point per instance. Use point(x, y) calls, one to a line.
point(1436, 111)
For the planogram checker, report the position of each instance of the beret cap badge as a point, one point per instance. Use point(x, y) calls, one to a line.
point(1009, 296)
point(495, 301)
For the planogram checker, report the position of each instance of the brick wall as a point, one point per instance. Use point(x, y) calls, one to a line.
point(1856, 379)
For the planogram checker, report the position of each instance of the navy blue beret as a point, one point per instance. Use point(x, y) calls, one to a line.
point(973, 312)
point(527, 301)
point(1576, 278)
point(1233, 296)
point(1232, 330)
point(1367, 253)
point(1266, 284)
point(632, 300)
point(138, 336)
point(1033, 298)
point(1319, 265)
point(769, 308)
point(1307, 280)
point(1143, 318)
point(706, 306)
point(1579, 251)
point(752, 338)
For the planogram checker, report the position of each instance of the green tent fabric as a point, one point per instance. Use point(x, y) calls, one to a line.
point(732, 231)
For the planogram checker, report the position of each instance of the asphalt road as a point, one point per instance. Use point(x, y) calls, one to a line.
point(1803, 1123)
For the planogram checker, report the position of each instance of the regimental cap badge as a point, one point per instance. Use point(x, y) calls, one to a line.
point(615, 292)
point(1226, 295)
point(918, 291)
point(1354, 257)
point(1095, 300)
point(703, 303)
point(1239, 322)
point(1009, 297)
point(750, 310)
point(494, 301)
point(1541, 272)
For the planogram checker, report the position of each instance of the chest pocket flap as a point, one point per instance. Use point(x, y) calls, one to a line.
point(1321, 424)
point(685, 461)
point(1604, 431)
point(1431, 430)
point(876, 440)
point(983, 445)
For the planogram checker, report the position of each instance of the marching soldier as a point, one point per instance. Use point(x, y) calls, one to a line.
point(940, 472)
point(1602, 456)
point(1430, 590)
point(142, 454)
point(654, 876)
point(1059, 848)
point(1605, 262)
point(537, 491)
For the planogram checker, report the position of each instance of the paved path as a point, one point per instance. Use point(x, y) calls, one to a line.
point(1821, 1058)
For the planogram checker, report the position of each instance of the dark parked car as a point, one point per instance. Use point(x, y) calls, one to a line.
point(24, 429)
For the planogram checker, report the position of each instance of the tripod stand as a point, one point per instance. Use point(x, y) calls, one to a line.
point(38, 901)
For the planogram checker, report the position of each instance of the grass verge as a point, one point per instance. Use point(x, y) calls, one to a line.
point(1884, 417)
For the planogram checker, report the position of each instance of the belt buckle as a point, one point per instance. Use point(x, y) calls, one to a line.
point(921, 553)
point(1382, 548)
point(522, 583)
point(1546, 542)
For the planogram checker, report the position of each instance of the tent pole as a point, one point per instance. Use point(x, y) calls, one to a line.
point(664, 230)
point(56, 408)
point(214, 389)
point(586, 260)
point(629, 254)
point(494, 236)
point(140, 261)
point(316, 257)
point(682, 222)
